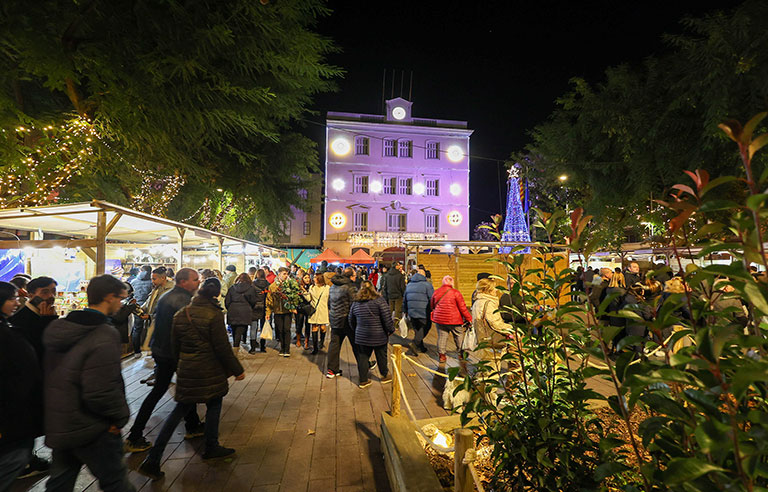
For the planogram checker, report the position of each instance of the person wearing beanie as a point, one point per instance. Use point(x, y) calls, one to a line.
point(228, 280)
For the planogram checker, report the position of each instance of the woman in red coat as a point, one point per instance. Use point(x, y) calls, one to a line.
point(449, 312)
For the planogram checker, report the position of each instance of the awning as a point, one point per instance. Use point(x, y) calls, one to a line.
point(360, 257)
point(327, 255)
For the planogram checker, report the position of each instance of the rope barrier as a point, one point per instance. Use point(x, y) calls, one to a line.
point(436, 447)
point(469, 459)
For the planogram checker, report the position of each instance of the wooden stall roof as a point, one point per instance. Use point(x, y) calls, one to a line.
point(79, 220)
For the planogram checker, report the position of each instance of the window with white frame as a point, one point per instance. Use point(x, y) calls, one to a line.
point(433, 150)
point(390, 186)
point(405, 186)
point(389, 147)
point(397, 222)
point(361, 184)
point(361, 221)
point(362, 146)
point(433, 187)
point(287, 228)
point(307, 228)
point(405, 147)
point(433, 221)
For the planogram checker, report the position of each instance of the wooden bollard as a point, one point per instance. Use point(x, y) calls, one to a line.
point(463, 439)
point(398, 351)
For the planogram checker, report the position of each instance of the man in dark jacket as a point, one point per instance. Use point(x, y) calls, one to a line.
point(187, 281)
point(340, 299)
point(85, 405)
point(142, 287)
point(37, 313)
point(393, 288)
point(633, 276)
point(418, 292)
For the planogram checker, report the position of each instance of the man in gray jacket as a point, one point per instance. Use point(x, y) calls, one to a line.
point(85, 405)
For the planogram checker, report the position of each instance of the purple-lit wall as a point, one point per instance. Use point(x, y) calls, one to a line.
point(347, 165)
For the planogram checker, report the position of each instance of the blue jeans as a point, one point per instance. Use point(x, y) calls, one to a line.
point(13, 461)
point(212, 415)
point(104, 459)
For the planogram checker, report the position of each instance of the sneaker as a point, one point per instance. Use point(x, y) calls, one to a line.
point(372, 363)
point(365, 384)
point(136, 445)
point(287, 354)
point(386, 379)
point(36, 466)
point(217, 452)
point(252, 351)
point(196, 432)
point(151, 470)
point(441, 358)
point(148, 379)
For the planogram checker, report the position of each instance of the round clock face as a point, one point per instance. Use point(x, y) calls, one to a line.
point(398, 113)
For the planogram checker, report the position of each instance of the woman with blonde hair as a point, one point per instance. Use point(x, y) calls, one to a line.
point(371, 320)
point(319, 320)
point(488, 323)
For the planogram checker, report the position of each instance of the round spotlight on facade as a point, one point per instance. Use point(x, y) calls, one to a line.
point(341, 146)
point(419, 189)
point(455, 189)
point(338, 184)
point(376, 186)
point(455, 218)
point(455, 153)
point(337, 220)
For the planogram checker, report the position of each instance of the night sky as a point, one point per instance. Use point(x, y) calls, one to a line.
point(499, 65)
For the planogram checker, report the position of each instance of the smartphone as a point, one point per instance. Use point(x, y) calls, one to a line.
point(36, 301)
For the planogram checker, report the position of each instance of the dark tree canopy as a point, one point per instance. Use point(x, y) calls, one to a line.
point(206, 92)
point(628, 138)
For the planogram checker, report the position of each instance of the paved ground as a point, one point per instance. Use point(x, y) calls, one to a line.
point(294, 430)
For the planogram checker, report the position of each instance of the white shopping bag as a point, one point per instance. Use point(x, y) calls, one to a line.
point(266, 331)
point(403, 327)
point(470, 340)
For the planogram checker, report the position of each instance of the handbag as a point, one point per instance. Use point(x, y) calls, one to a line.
point(307, 309)
point(469, 343)
point(403, 327)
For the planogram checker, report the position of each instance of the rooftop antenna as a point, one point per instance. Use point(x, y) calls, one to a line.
point(383, 91)
point(402, 77)
point(410, 88)
point(393, 84)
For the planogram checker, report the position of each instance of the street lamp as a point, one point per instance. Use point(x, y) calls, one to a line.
point(563, 178)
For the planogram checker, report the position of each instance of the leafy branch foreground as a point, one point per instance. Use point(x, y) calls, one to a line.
point(687, 367)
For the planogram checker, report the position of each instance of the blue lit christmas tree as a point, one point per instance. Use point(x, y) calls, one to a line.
point(515, 224)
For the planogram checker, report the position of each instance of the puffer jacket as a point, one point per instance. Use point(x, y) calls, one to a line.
point(340, 299)
point(84, 389)
point(262, 286)
point(240, 302)
point(418, 292)
point(487, 321)
point(21, 389)
point(205, 358)
point(448, 307)
point(142, 286)
point(371, 321)
point(393, 285)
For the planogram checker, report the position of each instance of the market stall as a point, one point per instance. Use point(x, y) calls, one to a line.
point(73, 242)
point(360, 257)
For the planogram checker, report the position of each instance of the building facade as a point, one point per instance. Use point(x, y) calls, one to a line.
point(394, 177)
point(305, 229)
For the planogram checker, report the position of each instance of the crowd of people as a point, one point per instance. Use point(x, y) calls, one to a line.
point(61, 376)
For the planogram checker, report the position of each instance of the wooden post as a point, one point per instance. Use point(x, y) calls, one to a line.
point(456, 267)
point(180, 258)
point(398, 351)
point(101, 245)
point(220, 240)
point(242, 260)
point(463, 439)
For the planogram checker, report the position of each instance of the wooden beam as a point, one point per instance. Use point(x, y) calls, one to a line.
point(180, 259)
point(113, 222)
point(101, 242)
point(48, 243)
point(90, 253)
point(220, 244)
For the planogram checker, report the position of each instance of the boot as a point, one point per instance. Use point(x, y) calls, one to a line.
point(263, 345)
point(252, 347)
point(314, 343)
point(322, 339)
